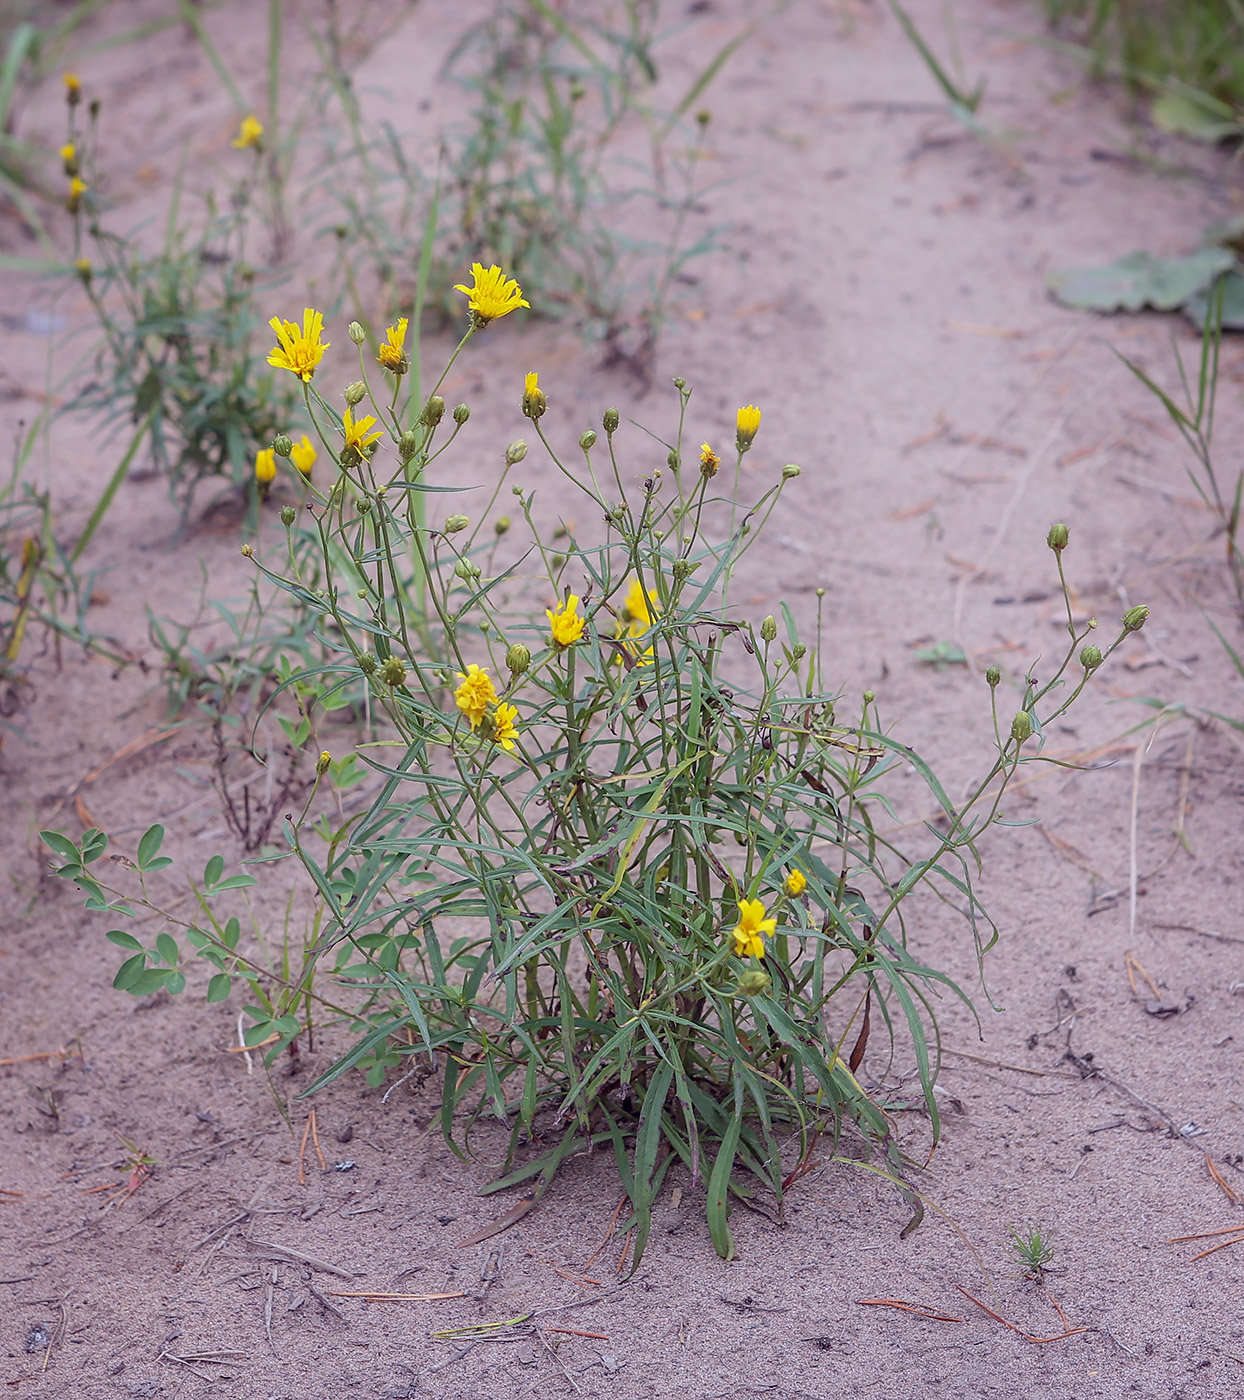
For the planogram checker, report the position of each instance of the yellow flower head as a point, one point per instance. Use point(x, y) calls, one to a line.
point(475, 694)
point(534, 402)
point(565, 623)
point(73, 86)
point(303, 455)
point(641, 658)
point(491, 294)
point(358, 435)
point(709, 461)
point(77, 188)
point(505, 731)
point(265, 466)
point(250, 133)
point(749, 933)
point(393, 352)
point(69, 158)
point(640, 604)
point(299, 351)
point(531, 384)
point(795, 883)
point(747, 425)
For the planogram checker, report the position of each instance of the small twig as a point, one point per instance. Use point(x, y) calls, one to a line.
point(298, 1256)
point(918, 1308)
point(1019, 1332)
point(398, 1297)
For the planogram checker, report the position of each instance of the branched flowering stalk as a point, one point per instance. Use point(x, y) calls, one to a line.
point(618, 874)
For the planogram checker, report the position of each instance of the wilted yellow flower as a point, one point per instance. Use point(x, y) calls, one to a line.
point(393, 352)
point(265, 466)
point(491, 294)
point(359, 435)
point(709, 461)
point(303, 455)
point(77, 188)
point(747, 424)
point(475, 694)
point(505, 731)
point(565, 623)
point(795, 883)
point(749, 940)
point(249, 134)
point(299, 351)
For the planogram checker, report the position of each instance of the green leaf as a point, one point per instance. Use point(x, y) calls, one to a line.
point(213, 870)
point(128, 971)
point(166, 946)
point(62, 845)
point(175, 982)
point(218, 988)
point(155, 979)
point(1197, 308)
point(1183, 115)
point(94, 843)
point(719, 1188)
point(124, 940)
point(149, 846)
point(1139, 280)
point(233, 882)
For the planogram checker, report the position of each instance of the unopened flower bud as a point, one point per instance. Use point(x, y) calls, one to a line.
point(515, 453)
point(679, 383)
point(368, 664)
point(587, 440)
point(355, 393)
point(869, 696)
point(518, 658)
point(288, 516)
point(790, 471)
point(407, 445)
point(754, 983)
point(502, 525)
point(461, 413)
point(1134, 618)
point(1021, 727)
point(83, 268)
point(282, 445)
point(682, 569)
point(558, 561)
point(321, 763)
point(993, 677)
point(392, 672)
point(610, 421)
point(799, 651)
point(1057, 538)
point(704, 116)
point(248, 551)
point(433, 411)
point(356, 333)
point(455, 523)
point(768, 629)
point(365, 504)
point(1091, 658)
point(673, 459)
point(467, 570)
point(534, 401)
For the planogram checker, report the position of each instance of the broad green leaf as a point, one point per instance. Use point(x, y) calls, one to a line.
point(1140, 280)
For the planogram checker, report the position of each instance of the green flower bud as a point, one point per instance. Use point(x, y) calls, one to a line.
point(467, 570)
point(356, 333)
point(577, 90)
point(674, 460)
point(454, 523)
point(288, 516)
point(753, 983)
point(502, 525)
point(355, 393)
point(461, 413)
point(587, 440)
point(365, 504)
point(1134, 618)
point(869, 696)
point(704, 116)
point(799, 651)
point(518, 658)
point(534, 401)
point(558, 561)
point(368, 664)
point(1091, 658)
point(1057, 538)
point(515, 453)
point(994, 677)
point(392, 672)
point(610, 420)
point(768, 629)
point(281, 445)
point(433, 411)
point(683, 569)
point(407, 445)
point(84, 270)
point(790, 471)
point(321, 763)
point(679, 383)
point(1021, 727)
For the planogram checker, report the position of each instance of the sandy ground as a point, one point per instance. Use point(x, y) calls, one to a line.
point(882, 298)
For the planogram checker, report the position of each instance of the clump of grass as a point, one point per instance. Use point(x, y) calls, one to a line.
point(1031, 1246)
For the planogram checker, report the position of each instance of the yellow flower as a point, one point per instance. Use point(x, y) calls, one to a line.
point(359, 435)
point(265, 466)
point(749, 933)
point(249, 134)
point(299, 351)
point(303, 455)
point(475, 694)
point(77, 188)
point(73, 85)
point(505, 731)
point(709, 461)
point(795, 883)
point(530, 385)
point(534, 402)
point(565, 623)
point(640, 603)
point(491, 294)
point(642, 658)
point(69, 158)
point(747, 424)
point(393, 353)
